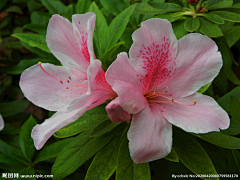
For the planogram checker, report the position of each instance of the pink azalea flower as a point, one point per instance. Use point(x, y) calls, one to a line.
point(158, 85)
point(73, 88)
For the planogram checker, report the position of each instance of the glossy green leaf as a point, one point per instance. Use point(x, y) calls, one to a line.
point(38, 28)
point(103, 128)
point(113, 6)
point(221, 140)
point(232, 35)
point(127, 169)
point(233, 129)
point(209, 29)
point(2, 4)
point(127, 37)
point(228, 16)
point(210, 2)
point(193, 155)
point(27, 171)
point(88, 120)
point(105, 162)
point(204, 88)
point(221, 4)
point(34, 5)
point(100, 27)
point(104, 57)
point(221, 81)
point(167, 7)
point(82, 6)
point(78, 151)
point(145, 8)
point(235, 108)
point(234, 162)
point(25, 139)
point(38, 17)
point(169, 16)
point(14, 9)
point(178, 29)
point(8, 129)
point(224, 101)
point(213, 17)
point(54, 7)
point(172, 156)
point(14, 107)
point(116, 28)
point(10, 155)
point(192, 24)
point(52, 150)
point(33, 40)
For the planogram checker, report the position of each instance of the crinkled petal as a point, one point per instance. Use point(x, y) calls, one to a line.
point(126, 83)
point(42, 132)
point(61, 40)
point(153, 52)
point(1, 123)
point(116, 112)
point(98, 87)
point(197, 63)
point(48, 92)
point(204, 117)
point(150, 136)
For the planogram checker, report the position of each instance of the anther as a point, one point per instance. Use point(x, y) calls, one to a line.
point(61, 82)
point(69, 78)
point(68, 81)
point(163, 106)
point(66, 87)
point(166, 88)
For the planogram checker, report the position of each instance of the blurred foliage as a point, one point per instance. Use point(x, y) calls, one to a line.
point(23, 25)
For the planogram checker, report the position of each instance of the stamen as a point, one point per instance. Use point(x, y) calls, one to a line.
point(61, 81)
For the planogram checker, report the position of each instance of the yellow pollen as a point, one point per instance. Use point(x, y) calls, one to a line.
point(195, 101)
point(39, 63)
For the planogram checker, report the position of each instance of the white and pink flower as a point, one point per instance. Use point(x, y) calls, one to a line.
point(158, 85)
point(73, 88)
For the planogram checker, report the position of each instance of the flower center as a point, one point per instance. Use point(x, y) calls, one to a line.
point(153, 94)
point(81, 88)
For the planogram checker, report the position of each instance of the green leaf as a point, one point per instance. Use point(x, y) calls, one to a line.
point(228, 16)
point(78, 151)
point(213, 17)
point(234, 162)
point(178, 29)
point(33, 40)
point(172, 156)
point(221, 4)
point(232, 35)
point(2, 4)
point(104, 57)
point(38, 28)
point(145, 8)
point(100, 27)
point(14, 9)
point(210, 2)
point(14, 107)
point(221, 140)
point(169, 16)
point(193, 155)
point(27, 171)
point(88, 120)
point(54, 7)
point(82, 6)
point(221, 81)
point(235, 108)
point(10, 155)
point(105, 162)
point(204, 88)
point(167, 7)
point(52, 150)
point(113, 6)
point(127, 169)
point(25, 139)
point(224, 101)
point(34, 5)
point(103, 128)
point(116, 28)
point(38, 17)
point(209, 29)
point(234, 128)
point(192, 24)
point(127, 37)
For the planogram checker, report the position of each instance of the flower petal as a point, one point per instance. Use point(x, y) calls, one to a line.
point(126, 83)
point(205, 116)
point(42, 132)
point(150, 136)
point(153, 52)
point(116, 112)
point(61, 40)
point(49, 93)
point(197, 63)
point(1, 123)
